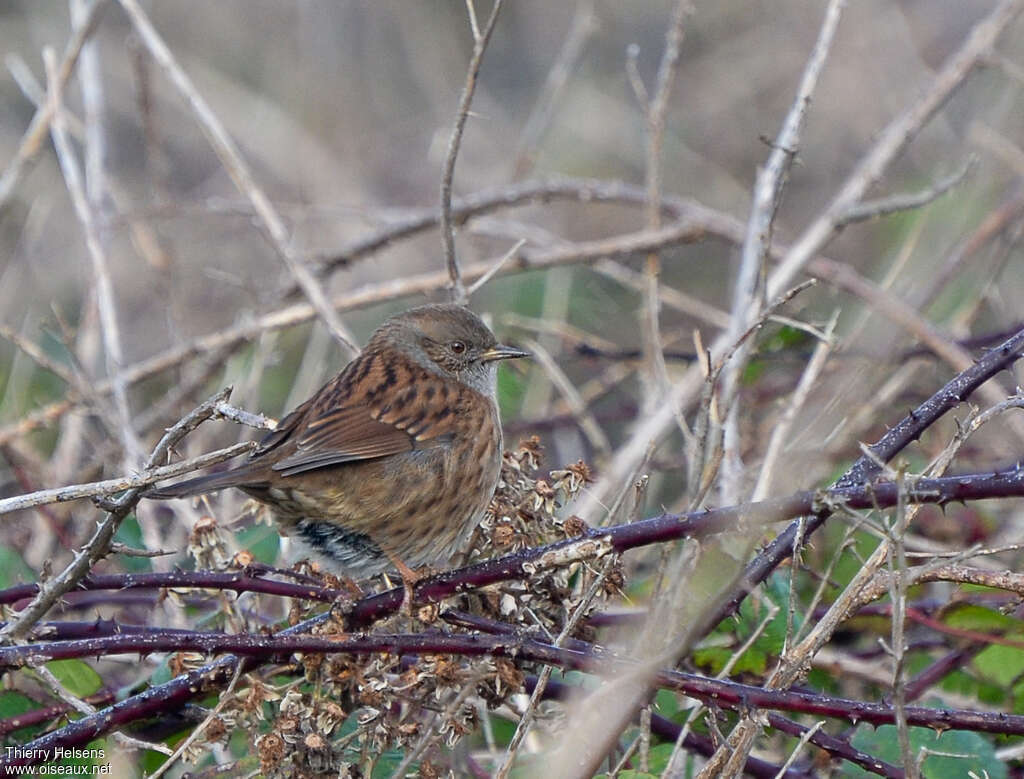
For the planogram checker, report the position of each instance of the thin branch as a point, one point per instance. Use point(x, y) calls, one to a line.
point(872, 209)
point(53, 589)
point(495, 268)
point(480, 41)
point(782, 428)
point(723, 693)
point(484, 202)
point(122, 483)
point(688, 304)
point(234, 163)
point(109, 327)
point(750, 292)
point(584, 24)
point(32, 140)
point(526, 721)
point(225, 698)
point(75, 703)
point(233, 581)
point(655, 114)
point(577, 407)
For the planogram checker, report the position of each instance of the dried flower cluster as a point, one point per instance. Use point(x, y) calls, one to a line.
point(345, 714)
point(208, 547)
point(523, 513)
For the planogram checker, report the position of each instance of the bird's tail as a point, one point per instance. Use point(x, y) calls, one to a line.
point(236, 477)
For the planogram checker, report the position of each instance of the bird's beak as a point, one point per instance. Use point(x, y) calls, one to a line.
point(502, 352)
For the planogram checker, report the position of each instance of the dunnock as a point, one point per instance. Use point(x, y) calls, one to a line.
point(391, 463)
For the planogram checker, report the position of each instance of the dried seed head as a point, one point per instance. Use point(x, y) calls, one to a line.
point(271, 750)
point(207, 545)
point(574, 526)
point(314, 741)
point(571, 479)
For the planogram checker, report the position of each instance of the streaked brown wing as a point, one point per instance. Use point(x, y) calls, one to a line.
point(362, 415)
point(344, 435)
point(284, 430)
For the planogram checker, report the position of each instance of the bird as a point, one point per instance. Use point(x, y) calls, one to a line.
point(390, 465)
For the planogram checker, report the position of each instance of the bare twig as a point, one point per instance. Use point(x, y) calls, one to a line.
point(104, 289)
point(231, 158)
point(34, 136)
point(750, 292)
point(871, 209)
point(538, 691)
point(53, 589)
point(655, 114)
point(82, 707)
point(226, 697)
point(495, 268)
point(587, 424)
point(120, 484)
point(897, 565)
point(668, 296)
point(583, 25)
point(781, 430)
point(480, 40)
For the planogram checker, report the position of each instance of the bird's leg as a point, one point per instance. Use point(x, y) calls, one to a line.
point(410, 579)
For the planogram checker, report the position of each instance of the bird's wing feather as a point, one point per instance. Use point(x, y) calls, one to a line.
point(333, 432)
point(343, 435)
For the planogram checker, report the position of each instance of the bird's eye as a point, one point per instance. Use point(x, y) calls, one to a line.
point(458, 347)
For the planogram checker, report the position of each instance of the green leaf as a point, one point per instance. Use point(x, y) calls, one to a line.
point(752, 661)
point(852, 560)
point(14, 704)
point(130, 534)
point(666, 703)
point(511, 388)
point(77, 676)
point(263, 541)
point(968, 616)
point(161, 674)
point(712, 658)
point(773, 636)
point(387, 763)
point(657, 761)
point(13, 569)
point(658, 757)
point(962, 751)
point(1000, 664)
point(1018, 698)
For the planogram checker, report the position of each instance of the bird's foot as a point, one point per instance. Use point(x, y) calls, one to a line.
point(410, 579)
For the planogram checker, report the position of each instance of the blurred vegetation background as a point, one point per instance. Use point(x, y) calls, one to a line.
point(344, 110)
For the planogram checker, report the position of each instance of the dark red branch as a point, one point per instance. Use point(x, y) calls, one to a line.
point(837, 747)
point(697, 524)
point(65, 631)
point(239, 581)
point(714, 692)
point(666, 527)
point(866, 467)
point(47, 713)
point(620, 538)
point(669, 731)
